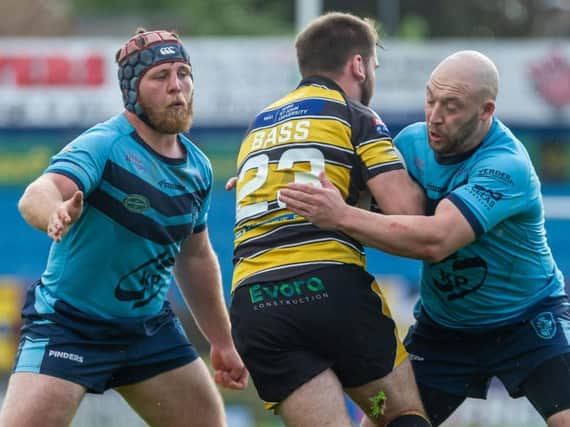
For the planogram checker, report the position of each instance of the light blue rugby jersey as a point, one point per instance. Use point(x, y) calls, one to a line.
point(509, 267)
point(116, 261)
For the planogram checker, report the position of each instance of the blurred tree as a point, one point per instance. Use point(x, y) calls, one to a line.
point(406, 18)
point(35, 17)
point(474, 18)
point(193, 17)
point(358, 7)
point(500, 18)
point(413, 27)
point(465, 18)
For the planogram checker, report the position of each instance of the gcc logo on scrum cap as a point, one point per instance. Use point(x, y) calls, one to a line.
point(169, 50)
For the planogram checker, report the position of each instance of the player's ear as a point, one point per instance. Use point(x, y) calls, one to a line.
point(358, 67)
point(488, 109)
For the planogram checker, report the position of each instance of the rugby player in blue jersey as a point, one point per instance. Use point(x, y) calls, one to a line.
point(492, 300)
point(126, 204)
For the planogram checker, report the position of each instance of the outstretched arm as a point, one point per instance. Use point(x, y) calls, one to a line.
point(197, 273)
point(52, 203)
point(431, 238)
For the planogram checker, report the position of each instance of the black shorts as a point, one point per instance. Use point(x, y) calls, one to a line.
point(100, 354)
point(289, 331)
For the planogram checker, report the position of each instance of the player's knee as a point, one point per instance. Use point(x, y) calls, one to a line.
point(409, 420)
point(559, 418)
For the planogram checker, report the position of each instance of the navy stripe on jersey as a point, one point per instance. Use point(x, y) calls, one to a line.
point(291, 235)
point(315, 107)
point(129, 183)
point(139, 224)
point(469, 216)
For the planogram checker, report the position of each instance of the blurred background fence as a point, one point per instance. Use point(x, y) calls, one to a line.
point(58, 77)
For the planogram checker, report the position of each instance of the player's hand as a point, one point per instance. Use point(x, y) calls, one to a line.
point(323, 206)
point(231, 183)
point(229, 370)
point(65, 215)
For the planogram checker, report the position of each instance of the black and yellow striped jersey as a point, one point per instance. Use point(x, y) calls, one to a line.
point(314, 128)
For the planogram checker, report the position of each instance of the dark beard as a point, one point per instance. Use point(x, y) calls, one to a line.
point(365, 92)
point(169, 121)
point(464, 132)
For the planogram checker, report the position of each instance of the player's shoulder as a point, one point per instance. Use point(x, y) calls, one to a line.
point(501, 144)
point(102, 136)
point(414, 132)
point(358, 109)
point(364, 117)
point(193, 150)
point(197, 158)
point(412, 139)
point(117, 125)
point(503, 152)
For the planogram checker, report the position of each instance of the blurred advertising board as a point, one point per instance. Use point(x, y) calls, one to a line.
point(72, 82)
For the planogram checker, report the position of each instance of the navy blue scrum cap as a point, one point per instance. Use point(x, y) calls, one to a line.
point(138, 55)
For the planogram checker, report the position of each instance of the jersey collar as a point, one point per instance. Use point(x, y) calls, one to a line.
point(321, 80)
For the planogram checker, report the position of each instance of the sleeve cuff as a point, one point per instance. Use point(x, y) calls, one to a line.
point(68, 174)
point(468, 214)
point(199, 228)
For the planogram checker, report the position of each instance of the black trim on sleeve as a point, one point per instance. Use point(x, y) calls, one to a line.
point(468, 214)
point(199, 228)
point(382, 168)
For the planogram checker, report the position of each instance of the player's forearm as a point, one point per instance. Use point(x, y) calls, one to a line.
point(39, 201)
point(200, 282)
point(411, 236)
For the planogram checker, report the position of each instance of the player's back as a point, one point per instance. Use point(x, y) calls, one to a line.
point(314, 129)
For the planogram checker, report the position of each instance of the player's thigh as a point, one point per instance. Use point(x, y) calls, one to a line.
point(369, 357)
point(318, 402)
point(185, 396)
point(386, 398)
point(33, 400)
point(548, 389)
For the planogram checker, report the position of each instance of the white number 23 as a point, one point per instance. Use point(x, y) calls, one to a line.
point(260, 163)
